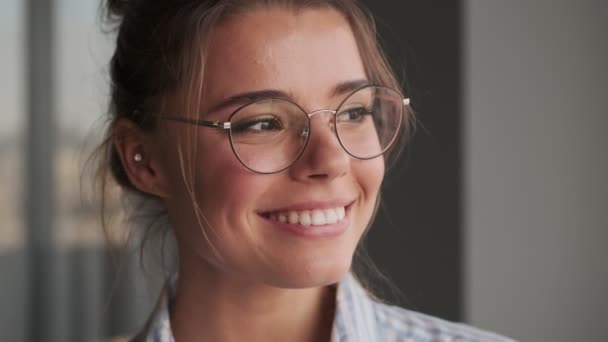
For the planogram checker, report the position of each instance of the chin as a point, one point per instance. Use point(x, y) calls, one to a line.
point(312, 273)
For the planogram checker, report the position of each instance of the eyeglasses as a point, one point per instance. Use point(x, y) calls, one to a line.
point(268, 136)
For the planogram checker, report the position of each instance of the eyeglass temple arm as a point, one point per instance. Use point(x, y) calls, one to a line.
point(206, 123)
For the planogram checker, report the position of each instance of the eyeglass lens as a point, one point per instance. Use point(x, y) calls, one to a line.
point(269, 135)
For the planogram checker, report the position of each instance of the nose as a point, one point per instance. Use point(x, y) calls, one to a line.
point(323, 158)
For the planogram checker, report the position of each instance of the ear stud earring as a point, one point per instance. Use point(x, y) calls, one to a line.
point(137, 157)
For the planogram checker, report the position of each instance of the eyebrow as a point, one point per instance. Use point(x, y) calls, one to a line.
point(259, 95)
point(347, 87)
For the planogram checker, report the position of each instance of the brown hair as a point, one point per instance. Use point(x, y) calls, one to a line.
point(154, 61)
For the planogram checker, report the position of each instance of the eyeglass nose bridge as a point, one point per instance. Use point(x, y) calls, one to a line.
point(306, 132)
point(310, 115)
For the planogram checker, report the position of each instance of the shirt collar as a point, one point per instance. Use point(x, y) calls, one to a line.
point(354, 320)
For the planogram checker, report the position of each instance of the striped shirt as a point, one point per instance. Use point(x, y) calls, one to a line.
point(358, 318)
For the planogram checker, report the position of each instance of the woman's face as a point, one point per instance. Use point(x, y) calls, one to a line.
point(307, 55)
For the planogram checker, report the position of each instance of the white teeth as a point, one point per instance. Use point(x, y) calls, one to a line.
point(305, 219)
point(315, 217)
point(318, 217)
point(341, 213)
point(293, 217)
point(330, 216)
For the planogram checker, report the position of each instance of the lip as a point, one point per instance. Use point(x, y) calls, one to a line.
point(324, 231)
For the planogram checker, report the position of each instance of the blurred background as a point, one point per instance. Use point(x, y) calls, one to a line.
point(496, 216)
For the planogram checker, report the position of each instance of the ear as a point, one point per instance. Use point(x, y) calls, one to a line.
point(139, 158)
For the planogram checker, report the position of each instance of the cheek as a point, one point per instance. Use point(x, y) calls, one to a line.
point(208, 179)
point(369, 175)
point(223, 186)
point(227, 194)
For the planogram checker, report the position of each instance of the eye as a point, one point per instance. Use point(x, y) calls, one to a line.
point(257, 124)
point(355, 114)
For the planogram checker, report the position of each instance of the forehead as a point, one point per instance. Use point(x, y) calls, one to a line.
point(305, 53)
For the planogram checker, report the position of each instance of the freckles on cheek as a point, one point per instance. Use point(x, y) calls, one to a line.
point(225, 185)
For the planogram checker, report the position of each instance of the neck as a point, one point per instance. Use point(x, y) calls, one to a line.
point(213, 306)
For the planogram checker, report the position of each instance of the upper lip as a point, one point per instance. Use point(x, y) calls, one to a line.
point(310, 205)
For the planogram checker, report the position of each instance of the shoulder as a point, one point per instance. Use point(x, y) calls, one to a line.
point(361, 318)
point(405, 325)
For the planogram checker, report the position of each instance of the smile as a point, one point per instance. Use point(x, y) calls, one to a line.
point(314, 217)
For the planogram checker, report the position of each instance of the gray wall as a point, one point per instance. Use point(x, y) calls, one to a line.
point(536, 168)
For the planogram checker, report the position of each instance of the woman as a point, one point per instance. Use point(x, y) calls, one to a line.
point(262, 128)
